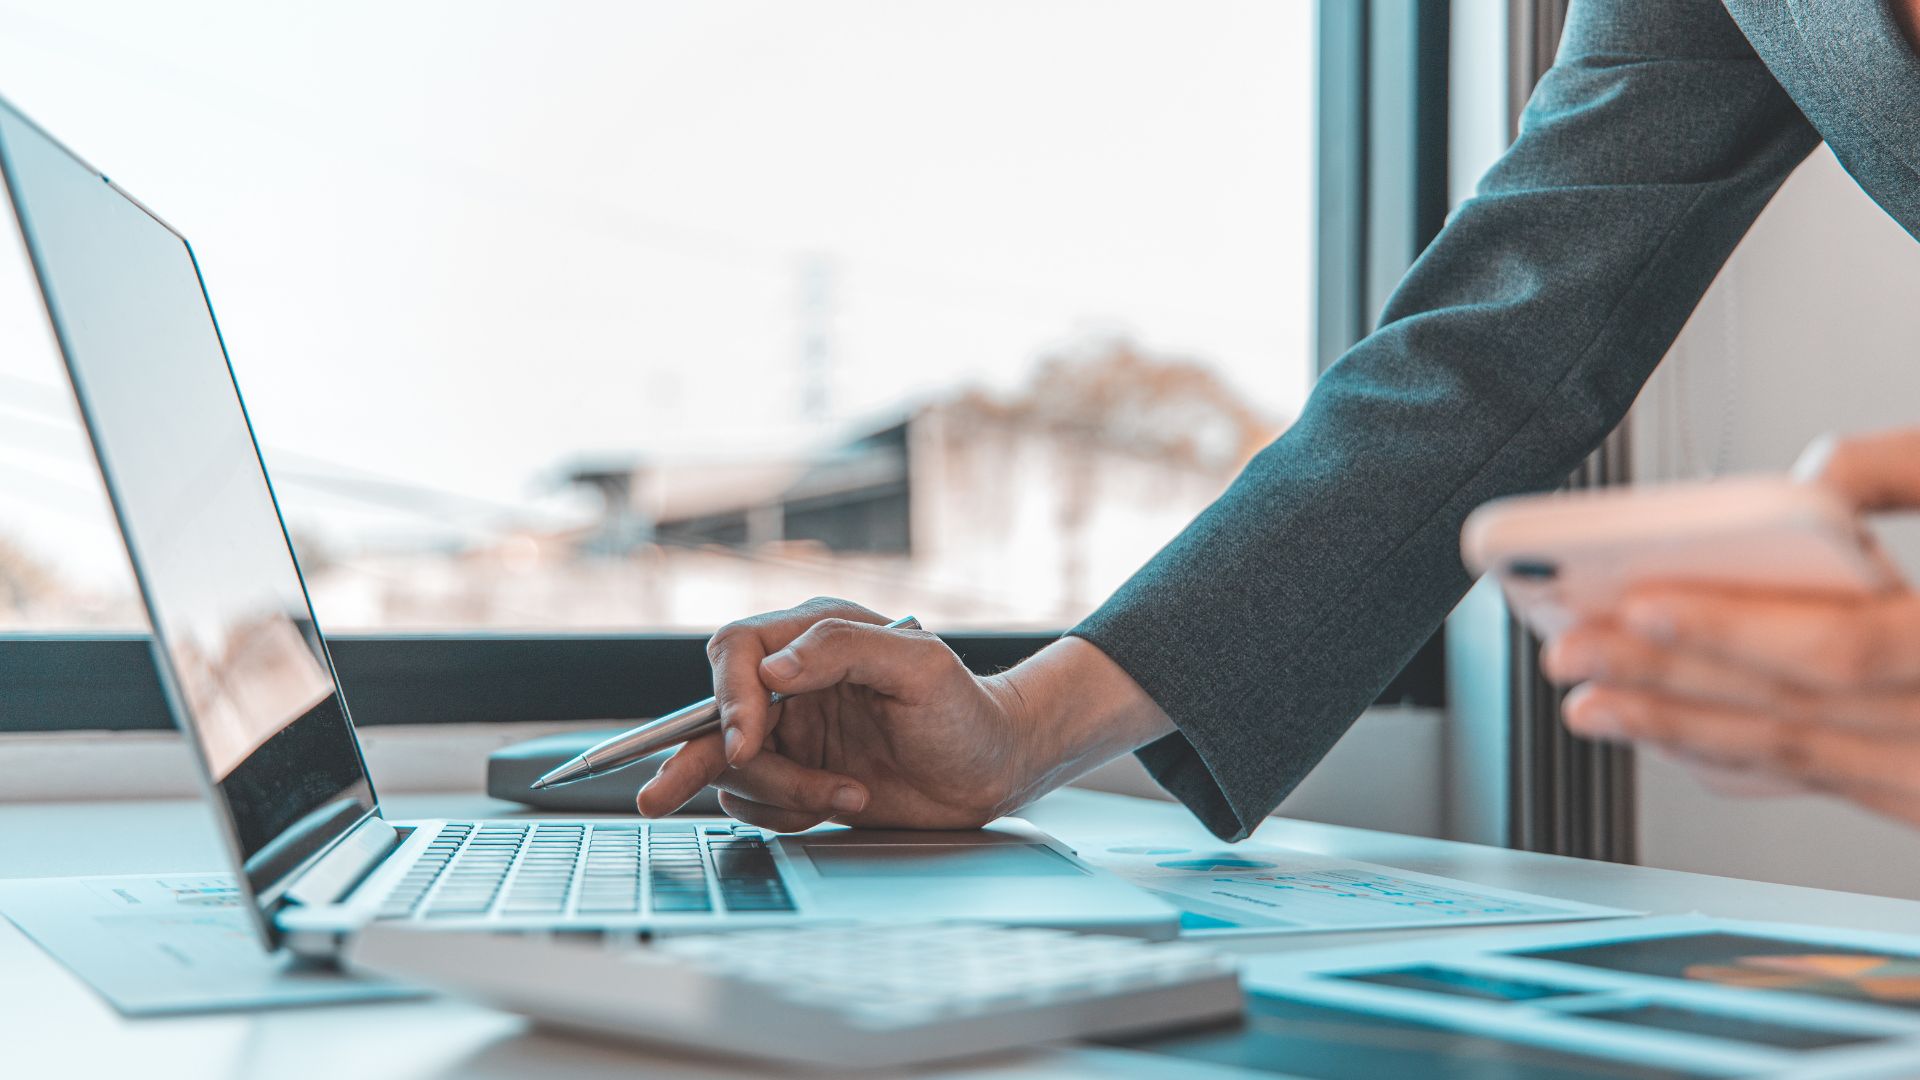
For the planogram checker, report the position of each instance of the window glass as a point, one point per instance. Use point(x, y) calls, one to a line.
point(646, 316)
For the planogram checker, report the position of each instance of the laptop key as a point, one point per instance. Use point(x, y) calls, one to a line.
point(623, 870)
point(774, 903)
point(609, 906)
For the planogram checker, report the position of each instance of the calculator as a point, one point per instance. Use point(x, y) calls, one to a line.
point(826, 997)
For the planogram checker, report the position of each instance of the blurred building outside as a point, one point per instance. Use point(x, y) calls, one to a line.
point(969, 510)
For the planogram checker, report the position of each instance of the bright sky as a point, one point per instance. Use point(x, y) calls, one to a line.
point(461, 243)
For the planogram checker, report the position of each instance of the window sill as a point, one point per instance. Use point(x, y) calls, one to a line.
point(1384, 774)
point(94, 765)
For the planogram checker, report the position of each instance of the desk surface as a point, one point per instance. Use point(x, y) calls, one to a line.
point(50, 1024)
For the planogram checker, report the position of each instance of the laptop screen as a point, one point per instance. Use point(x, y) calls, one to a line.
point(246, 672)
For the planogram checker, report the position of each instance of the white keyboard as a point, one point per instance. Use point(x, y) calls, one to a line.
point(852, 997)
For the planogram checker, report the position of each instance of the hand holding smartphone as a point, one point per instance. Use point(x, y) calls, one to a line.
point(1565, 558)
point(1749, 629)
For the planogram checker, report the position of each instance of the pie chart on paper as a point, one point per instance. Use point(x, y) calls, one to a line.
point(1216, 865)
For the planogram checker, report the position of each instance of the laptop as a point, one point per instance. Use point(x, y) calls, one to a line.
point(246, 673)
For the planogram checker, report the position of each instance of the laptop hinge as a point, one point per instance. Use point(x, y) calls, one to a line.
point(342, 868)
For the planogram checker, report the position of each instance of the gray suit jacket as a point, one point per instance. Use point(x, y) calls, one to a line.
point(1515, 343)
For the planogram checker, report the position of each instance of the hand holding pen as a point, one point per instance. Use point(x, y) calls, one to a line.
point(878, 727)
point(682, 725)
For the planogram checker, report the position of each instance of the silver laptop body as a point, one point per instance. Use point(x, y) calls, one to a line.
point(247, 675)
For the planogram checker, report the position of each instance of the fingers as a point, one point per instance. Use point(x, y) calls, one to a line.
point(779, 782)
point(1821, 756)
point(771, 787)
point(1812, 642)
point(1878, 771)
point(1874, 472)
point(680, 777)
point(1602, 653)
point(736, 650)
point(1620, 660)
point(899, 663)
point(767, 817)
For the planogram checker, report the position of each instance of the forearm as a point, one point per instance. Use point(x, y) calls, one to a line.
point(1077, 710)
point(1516, 342)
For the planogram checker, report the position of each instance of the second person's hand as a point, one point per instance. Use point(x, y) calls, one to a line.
point(1766, 692)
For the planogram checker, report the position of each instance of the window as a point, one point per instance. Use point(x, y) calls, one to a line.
point(653, 317)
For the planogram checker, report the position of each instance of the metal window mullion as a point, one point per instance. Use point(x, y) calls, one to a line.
point(1567, 796)
point(1340, 180)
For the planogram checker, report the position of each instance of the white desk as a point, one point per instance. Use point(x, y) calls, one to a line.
point(52, 1025)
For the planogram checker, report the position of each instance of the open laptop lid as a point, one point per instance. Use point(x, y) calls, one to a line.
point(244, 668)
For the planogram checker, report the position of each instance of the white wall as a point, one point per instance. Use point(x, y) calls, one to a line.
point(1383, 774)
point(1812, 327)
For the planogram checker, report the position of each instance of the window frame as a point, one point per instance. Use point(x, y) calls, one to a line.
point(1382, 96)
point(107, 682)
point(1382, 87)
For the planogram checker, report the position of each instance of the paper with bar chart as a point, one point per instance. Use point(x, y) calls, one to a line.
point(1252, 889)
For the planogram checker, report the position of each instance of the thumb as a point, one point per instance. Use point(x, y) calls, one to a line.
point(1880, 471)
point(894, 661)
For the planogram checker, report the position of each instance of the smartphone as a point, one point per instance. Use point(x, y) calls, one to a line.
point(1565, 557)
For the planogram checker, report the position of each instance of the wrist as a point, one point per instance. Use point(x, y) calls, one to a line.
point(1073, 709)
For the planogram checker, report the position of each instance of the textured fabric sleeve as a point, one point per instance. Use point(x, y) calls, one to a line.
point(1515, 343)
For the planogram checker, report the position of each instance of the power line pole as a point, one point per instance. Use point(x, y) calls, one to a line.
point(816, 281)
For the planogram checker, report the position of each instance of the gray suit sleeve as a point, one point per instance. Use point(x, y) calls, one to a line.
point(1515, 343)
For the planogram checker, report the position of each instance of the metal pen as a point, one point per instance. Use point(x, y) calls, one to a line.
point(676, 727)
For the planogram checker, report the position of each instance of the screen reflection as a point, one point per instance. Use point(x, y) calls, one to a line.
point(247, 666)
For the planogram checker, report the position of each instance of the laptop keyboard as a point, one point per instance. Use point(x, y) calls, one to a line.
point(518, 870)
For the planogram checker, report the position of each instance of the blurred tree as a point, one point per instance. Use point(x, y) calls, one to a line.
point(25, 581)
point(1112, 391)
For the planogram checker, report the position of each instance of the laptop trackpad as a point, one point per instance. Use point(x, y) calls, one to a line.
point(836, 857)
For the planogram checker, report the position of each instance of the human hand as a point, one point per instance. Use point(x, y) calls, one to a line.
point(887, 728)
point(882, 727)
point(1799, 692)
